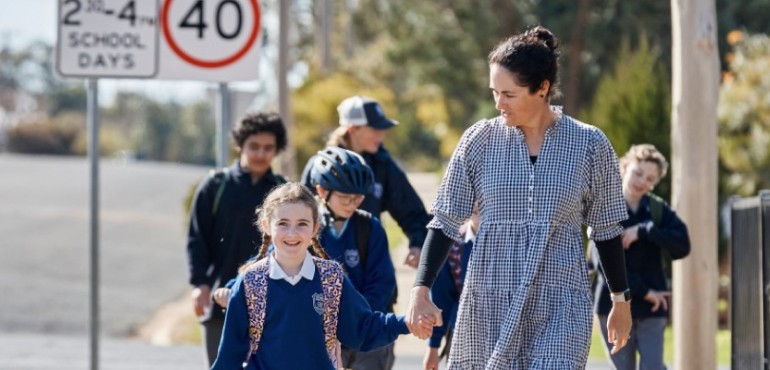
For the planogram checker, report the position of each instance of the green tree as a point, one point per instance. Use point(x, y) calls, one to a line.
point(66, 98)
point(442, 46)
point(193, 141)
point(633, 103)
point(744, 117)
point(154, 136)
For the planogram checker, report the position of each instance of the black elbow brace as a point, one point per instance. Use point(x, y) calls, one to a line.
point(613, 260)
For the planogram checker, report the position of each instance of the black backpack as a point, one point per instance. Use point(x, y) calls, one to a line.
point(362, 221)
point(220, 179)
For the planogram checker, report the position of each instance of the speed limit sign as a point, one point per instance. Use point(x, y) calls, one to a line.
point(212, 40)
point(204, 40)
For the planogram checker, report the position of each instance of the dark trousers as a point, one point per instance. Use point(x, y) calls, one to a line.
point(212, 333)
point(646, 337)
point(376, 359)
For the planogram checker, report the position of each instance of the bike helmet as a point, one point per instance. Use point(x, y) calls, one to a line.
point(341, 170)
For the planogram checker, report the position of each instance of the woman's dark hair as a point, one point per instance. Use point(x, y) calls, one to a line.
point(532, 57)
point(257, 123)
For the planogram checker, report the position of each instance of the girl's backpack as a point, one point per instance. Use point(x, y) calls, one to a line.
point(255, 289)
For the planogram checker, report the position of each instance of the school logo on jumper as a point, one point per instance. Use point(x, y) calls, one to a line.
point(351, 257)
point(318, 303)
point(377, 190)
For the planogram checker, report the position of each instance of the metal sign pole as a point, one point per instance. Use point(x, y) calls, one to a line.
point(223, 123)
point(92, 122)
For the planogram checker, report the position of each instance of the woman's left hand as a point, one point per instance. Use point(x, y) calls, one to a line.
point(619, 325)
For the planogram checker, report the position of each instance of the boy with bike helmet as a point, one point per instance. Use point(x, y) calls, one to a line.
point(355, 238)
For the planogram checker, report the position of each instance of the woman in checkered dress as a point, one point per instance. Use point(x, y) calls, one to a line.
point(538, 176)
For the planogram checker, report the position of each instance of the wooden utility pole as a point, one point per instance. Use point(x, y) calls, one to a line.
point(577, 44)
point(289, 157)
point(325, 14)
point(694, 179)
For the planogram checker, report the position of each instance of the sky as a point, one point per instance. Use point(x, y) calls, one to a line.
point(37, 20)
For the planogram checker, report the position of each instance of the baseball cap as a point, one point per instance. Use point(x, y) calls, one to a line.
point(363, 111)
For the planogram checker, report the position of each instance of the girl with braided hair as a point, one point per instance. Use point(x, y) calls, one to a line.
point(290, 310)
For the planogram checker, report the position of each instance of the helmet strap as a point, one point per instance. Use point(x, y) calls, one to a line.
point(333, 217)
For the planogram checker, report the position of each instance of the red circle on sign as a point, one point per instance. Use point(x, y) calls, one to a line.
point(209, 63)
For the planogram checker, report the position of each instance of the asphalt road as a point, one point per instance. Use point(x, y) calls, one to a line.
point(44, 247)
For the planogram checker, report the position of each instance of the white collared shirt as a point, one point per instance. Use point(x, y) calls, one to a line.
point(307, 270)
point(330, 225)
point(334, 232)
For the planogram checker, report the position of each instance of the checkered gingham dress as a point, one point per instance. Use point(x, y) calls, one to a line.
point(526, 302)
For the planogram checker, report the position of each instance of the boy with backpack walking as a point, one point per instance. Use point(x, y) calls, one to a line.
point(355, 239)
point(651, 231)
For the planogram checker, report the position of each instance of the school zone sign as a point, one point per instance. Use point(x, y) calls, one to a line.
point(214, 40)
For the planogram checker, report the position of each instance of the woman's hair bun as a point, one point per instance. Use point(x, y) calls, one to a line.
point(543, 35)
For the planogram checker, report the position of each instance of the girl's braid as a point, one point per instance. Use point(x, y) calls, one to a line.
point(266, 241)
point(318, 250)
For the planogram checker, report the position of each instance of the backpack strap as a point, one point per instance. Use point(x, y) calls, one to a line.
point(331, 282)
point(255, 289)
point(220, 178)
point(656, 208)
point(280, 179)
point(656, 213)
point(362, 221)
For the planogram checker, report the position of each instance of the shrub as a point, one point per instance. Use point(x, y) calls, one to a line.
point(42, 138)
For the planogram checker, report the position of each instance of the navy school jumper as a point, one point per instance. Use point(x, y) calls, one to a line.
point(379, 283)
point(643, 260)
point(293, 336)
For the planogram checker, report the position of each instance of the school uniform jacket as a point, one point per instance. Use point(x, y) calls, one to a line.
point(377, 281)
point(644, 264)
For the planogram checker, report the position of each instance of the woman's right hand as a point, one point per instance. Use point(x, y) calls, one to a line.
point(422, 314)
